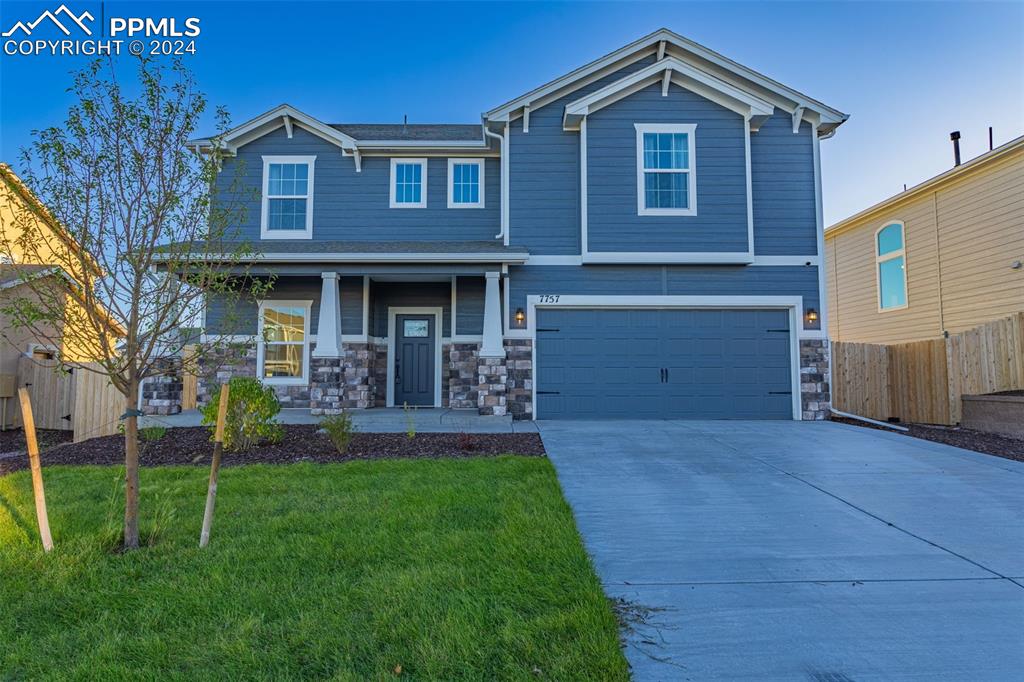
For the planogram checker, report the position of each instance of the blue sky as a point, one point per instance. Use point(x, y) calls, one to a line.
point(908, 73)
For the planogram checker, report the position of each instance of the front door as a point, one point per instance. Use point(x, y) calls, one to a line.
point(414, 360)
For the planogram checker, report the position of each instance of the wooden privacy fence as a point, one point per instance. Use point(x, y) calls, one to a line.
point(923, 381)
point(79, 400)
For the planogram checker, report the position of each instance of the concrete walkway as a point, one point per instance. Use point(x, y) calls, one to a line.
point(383, 420)
point(805, 551)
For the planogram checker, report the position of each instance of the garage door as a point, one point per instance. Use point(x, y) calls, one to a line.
point(663, 364)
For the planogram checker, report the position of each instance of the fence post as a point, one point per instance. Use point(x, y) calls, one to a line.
point(37, 473)
point(218, 448)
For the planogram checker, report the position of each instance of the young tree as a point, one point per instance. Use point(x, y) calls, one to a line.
point(153, 236)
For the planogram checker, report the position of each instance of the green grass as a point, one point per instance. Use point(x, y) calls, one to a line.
point(451, 569)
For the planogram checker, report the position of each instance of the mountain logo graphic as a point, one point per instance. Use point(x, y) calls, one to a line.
point(69, 16)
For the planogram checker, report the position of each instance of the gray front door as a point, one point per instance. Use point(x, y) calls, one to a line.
point(663, 364)
point(414, 360)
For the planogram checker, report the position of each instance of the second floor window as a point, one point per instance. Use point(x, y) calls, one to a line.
point(891, 264)
point(408, 183)
point(287, 197)
point(465, 183)
point(666, 169)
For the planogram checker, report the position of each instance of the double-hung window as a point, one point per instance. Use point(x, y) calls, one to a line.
point(891, 266)
point(283, 351)
point(465, 183)
point(287, 197)
point(408, 183)
point(666, 176)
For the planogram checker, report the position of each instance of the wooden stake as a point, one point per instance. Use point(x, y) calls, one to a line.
point(218, 449)
point(29, 425)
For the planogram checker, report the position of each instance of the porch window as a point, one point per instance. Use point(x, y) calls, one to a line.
point(891, 267)
point(666, 169)
point(283, 355)
point(287, 197)
point(408, 183)
point(465, 183)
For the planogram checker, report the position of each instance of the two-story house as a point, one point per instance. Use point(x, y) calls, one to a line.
point(640, 238)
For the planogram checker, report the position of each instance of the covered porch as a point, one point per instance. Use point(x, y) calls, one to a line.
point(330, 336)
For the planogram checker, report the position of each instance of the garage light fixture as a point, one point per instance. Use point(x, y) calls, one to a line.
point(520, 317)
point(812, 315)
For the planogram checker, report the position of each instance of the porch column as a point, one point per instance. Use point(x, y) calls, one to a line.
point(493, 345)
point(328, 333)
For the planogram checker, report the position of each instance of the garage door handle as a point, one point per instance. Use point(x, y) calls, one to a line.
point(549, 393)
point(780, 392)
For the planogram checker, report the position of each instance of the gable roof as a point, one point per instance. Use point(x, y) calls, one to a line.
point(664, 43)
point(11, 275)
point(931, 184)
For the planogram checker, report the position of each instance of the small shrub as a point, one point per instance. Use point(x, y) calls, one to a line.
point(410, 420)
point(152, 433)
point(252, 408)
point(340, 430)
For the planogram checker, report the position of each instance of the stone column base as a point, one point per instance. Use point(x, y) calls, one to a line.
point(519, 384)
point(161, 394)
point(491, 386)
point(815, 393)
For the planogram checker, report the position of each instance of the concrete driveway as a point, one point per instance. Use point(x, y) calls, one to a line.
point(807, 551)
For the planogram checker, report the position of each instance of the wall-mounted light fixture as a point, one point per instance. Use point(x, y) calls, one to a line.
point(812, 315)
point(520, 317)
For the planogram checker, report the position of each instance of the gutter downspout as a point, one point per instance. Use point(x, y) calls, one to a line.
point(503, 154)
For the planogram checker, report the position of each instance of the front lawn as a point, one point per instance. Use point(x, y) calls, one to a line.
point(428, 569)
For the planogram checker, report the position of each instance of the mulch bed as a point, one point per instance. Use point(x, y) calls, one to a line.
point(13, 440)
point(301, 443)
point(968, 439)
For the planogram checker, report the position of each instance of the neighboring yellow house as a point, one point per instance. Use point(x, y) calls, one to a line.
point(941, 257)
point(55, 257)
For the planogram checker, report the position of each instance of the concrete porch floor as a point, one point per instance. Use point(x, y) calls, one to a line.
point(382, 420)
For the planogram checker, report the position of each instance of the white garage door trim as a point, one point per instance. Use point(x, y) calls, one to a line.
point(793, 304)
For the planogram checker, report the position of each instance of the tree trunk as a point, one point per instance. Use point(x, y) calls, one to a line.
point(131, 468)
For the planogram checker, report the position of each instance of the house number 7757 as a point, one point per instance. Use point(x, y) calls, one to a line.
point(549, 298)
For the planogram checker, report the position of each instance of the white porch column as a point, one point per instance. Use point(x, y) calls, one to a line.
point(328, 333)
point(493, 345)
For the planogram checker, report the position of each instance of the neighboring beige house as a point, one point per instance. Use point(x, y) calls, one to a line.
point(941, 257)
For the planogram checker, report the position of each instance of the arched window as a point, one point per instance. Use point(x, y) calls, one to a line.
point(891, 266)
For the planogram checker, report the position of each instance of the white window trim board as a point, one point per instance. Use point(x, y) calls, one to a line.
point(793, 304)
point(422, 203)
point(879, 259)
point(261, 343)
point(438, 314)
point(479, 163)
point(690, 129)
point(265, 231)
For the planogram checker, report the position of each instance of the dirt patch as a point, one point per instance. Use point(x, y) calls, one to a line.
point(13, 440)
point(968, 439)
point(191, 445)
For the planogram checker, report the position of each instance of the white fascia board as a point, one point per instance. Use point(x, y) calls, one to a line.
point(694, 79)
point(649, 45)
point(327, 257)
point(668, 258)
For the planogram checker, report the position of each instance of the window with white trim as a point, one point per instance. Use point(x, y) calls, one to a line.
point(408, 183)
point(287, 197)
point(666, 169)
point(891, 266)
point(465, 183)
point(283, 353)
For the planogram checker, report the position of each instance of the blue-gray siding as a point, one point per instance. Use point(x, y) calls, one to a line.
point(469, 305)
point(354, 206)
point(782, 179)
point(663, 364)
point(243, 313)
point(544, 175)
point(384, 295)
point(653, 280)
point(720, 166)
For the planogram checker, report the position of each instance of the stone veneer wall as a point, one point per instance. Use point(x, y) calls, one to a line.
point(219, 365)
point(348, 382)
point(815, 392)
point(161, 394)
point(463, 363)
point(519, 392)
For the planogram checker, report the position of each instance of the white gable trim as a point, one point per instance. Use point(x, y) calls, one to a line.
point(685, 75)
point(283, 115)
point(663, 43)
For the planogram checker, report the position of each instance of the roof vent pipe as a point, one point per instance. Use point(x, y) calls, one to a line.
point(990, 138)
point(955, 136)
